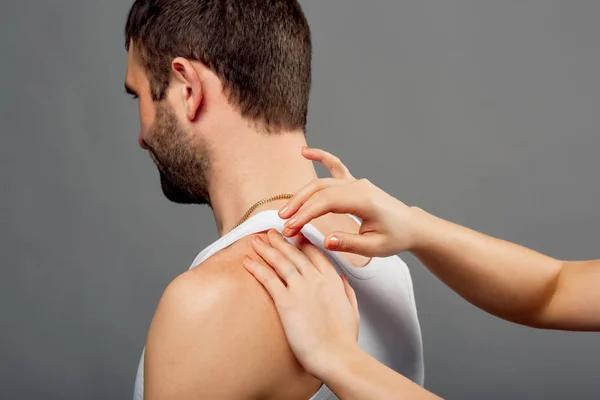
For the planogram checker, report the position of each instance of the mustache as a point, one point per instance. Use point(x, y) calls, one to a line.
point(153, 156)
point(161, 167)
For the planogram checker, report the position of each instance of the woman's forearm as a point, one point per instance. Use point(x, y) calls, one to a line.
point(355, 375)
point(508, 280)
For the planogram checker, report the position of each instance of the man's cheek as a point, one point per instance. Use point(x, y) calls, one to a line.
point(147, 113)
point(146, 123)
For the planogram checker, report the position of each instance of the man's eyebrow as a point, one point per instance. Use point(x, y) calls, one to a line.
point(129, 90)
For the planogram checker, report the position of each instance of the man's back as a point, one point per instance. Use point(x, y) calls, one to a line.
point(216, 333)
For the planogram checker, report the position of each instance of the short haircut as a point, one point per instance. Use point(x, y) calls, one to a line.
point(260, 49)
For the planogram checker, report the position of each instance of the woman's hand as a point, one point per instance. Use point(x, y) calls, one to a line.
point(317, 308)
point(388, 225)
point(319, 314)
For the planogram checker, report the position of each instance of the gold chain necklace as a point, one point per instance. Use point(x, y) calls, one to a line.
point(260, 203)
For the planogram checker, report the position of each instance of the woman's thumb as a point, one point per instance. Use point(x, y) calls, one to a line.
point(351, 243)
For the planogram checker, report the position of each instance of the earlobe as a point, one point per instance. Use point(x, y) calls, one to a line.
point(185, 73)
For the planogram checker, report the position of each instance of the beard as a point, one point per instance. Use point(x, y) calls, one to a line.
point(181, 157)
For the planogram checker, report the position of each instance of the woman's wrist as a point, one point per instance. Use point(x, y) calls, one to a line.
point(421, 228)
point(337, 365)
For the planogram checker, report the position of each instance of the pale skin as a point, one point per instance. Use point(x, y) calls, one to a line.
point(502, 278)
point(319, 313)
point(203, 341)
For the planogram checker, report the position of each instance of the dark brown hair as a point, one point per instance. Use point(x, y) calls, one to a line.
point(260, 49)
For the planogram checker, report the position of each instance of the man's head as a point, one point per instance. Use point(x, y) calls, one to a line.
point(198, 64)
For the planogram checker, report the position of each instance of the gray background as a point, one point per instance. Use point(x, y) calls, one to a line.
point(482, 112)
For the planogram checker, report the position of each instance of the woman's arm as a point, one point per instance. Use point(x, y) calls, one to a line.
point(356, 375)
point(508, 280)
point(502, 278)
point(319, 314)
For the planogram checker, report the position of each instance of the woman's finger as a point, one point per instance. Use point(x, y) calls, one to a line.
point(339, 199)
point(366, 244)
point(338, 171)
point(268, 278)
point(335, 166)
point(351, 296)
point(289, 250)
point(315, 255)
point(286, 270)
point(306, 192)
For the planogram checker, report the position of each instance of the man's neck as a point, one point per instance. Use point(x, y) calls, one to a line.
point(254, 168)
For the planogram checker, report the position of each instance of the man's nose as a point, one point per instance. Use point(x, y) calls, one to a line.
point(142, 143)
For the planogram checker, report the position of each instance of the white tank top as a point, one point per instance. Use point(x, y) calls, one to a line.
point(389, 326)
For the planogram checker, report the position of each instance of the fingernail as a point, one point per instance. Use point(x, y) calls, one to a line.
point(246, 261)
point(290, 222)
point(283, 210)
point(333, 242)
point(304, 148)
point(257, 239)
point(286, 232)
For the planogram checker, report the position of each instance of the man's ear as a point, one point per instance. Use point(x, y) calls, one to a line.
point(189, 86)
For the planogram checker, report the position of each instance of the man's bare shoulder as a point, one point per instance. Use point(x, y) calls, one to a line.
point(216, 329)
